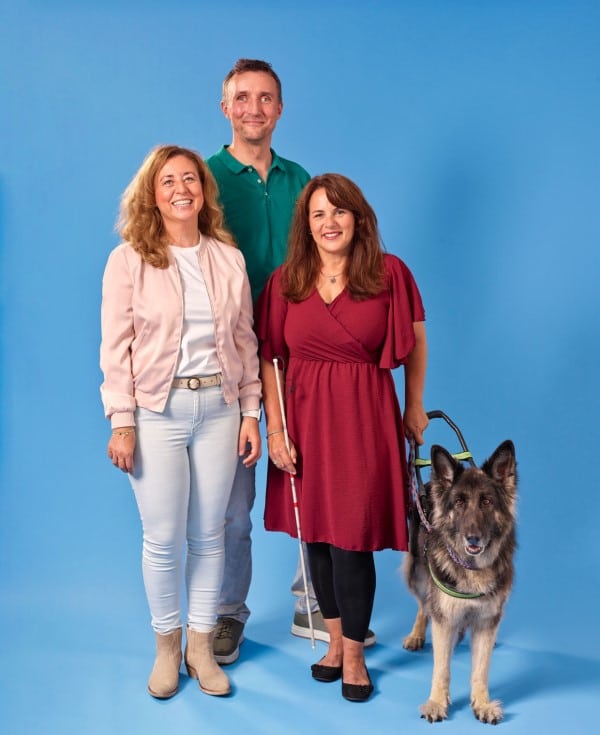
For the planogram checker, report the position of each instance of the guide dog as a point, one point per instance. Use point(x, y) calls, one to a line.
point(461, 571)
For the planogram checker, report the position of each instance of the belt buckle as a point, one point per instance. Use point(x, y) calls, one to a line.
point(193, 383)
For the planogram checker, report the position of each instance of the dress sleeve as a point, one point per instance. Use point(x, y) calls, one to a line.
point(270, 313)
point(406, 307)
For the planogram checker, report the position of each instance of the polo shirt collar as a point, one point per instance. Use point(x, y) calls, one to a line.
point(236, 167)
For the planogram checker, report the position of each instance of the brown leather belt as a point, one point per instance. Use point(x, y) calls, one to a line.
point(197, 382)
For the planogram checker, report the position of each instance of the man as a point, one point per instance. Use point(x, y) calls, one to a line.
point(258, 190)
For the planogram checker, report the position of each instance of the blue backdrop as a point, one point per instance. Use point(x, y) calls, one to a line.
point(472, 128)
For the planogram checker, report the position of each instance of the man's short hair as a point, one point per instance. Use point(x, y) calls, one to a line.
point(244, 65)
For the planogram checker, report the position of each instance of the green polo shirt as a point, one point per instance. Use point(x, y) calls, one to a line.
point(258, 213)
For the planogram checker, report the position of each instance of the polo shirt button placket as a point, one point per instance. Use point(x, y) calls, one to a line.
point(251, 170)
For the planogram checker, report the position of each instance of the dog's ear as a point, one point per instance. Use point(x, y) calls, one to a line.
point(444, 466)
point(502, 465)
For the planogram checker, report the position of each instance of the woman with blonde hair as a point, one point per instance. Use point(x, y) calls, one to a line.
point(182, 392)
point(339, 314)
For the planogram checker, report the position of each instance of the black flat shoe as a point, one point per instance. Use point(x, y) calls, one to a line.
point(357, 692)
point(320, 672)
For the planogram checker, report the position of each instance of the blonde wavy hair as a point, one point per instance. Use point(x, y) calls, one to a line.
point(140, 222)
point(365, 273)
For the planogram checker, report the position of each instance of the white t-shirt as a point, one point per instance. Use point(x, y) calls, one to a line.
point(198, 351)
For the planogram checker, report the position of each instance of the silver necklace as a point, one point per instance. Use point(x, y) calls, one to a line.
point(333, 277)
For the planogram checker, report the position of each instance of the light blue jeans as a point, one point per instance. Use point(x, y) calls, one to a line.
point(238, 546)
point(238, 553)
point(185, 460)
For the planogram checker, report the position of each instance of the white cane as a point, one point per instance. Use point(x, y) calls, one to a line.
point(295, 502)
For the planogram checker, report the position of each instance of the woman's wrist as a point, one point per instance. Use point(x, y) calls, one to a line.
point(123, 431)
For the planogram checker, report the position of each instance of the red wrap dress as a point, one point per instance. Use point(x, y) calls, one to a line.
point(342, 411)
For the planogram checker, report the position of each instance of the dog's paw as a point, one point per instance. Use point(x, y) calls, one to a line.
point(433, 711)
point(489, 712)
point(413, 643)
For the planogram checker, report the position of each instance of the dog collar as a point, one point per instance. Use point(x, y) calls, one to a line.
point(450, 591)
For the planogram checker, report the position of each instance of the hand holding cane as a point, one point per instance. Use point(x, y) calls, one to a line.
point(295, 501)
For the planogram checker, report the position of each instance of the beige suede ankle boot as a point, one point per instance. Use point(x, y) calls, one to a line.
point(200, 663)
point(164, 679)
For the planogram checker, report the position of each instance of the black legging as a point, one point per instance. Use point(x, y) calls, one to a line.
point(344, 583)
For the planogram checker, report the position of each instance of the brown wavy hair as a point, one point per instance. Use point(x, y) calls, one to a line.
point(365, 274)
point(140, 222)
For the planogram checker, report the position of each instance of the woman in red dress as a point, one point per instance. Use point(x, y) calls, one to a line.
point(340, 314)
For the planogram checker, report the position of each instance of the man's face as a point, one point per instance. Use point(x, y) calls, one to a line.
point(252, 105)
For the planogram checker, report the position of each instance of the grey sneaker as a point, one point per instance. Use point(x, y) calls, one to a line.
point(229, 634)
point(301, 629)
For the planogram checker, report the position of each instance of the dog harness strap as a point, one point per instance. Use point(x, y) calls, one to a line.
point(450, 591)
point(460, 456)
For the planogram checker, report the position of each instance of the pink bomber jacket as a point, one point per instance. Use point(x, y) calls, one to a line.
point(142, 321)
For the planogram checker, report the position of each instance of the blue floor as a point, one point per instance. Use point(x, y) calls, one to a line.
point(81, 665)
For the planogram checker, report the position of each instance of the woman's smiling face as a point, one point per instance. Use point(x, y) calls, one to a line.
point(332, 227)
point(178, 191)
